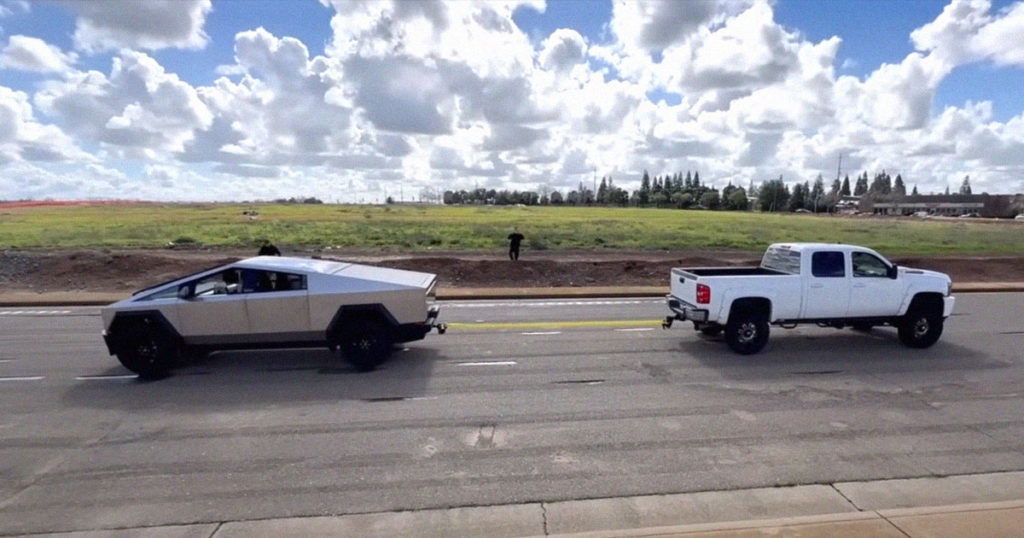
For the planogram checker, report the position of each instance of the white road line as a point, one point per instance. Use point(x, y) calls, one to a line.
point(33, 312)
point(5, 361)
point(635, 330)
point(550, 303)
point(488, 363)
point(540, 333)
point(412, 398)
point(106, 377)
point(23, 378)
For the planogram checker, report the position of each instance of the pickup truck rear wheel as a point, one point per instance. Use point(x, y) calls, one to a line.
point(147, 349)
point(365, 343)
point(920, 328)
point(746, 332)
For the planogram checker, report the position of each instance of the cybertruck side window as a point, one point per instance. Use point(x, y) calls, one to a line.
point(169, 293)
point(260, 281)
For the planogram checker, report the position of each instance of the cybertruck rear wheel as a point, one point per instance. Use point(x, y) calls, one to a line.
point(365, 343)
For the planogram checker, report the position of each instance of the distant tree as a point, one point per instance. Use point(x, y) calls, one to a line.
point(965, 187)
point(688, 182)
point(882, 184)
point(947, 189)
point(602, 192)
point(696, 179)
point(797, 199)
point(898, 188)
point(817, 195)
point(915, 191)
point(845, 190)
point(833, 192)
point(773, 195)
point(389, 200)
point(861, 188)
point(710, 199)
point(659, 199)
point(645, 189)
point(737, 199)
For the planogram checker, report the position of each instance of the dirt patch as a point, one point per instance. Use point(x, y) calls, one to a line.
point(105, 270)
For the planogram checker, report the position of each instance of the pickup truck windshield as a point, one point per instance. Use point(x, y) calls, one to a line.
point(782, 260)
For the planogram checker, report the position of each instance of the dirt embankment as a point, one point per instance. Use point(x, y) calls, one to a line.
point(104, 270)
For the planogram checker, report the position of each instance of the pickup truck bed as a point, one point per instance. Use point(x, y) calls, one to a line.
point(727, 271)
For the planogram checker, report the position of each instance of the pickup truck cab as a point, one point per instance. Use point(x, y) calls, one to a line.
point(831, 285)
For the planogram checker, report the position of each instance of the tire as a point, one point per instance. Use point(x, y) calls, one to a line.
point(147, 349)
point(746, 332)
point(712, 330)
point(862, 327)
point(920, 328)
point(365, 343)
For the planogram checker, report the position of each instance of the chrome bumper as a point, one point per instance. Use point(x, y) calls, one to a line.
point(682, 311)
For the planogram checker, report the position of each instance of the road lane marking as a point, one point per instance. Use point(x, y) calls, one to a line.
point(488, 363)
point(23, 378)
point(33, 312)
point(549, 303)
point(5, 361)
point(541, 333)
point(566, 324)
point(106, 377)
point(635, 330)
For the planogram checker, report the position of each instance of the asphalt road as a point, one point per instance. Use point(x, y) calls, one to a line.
point(495, 411)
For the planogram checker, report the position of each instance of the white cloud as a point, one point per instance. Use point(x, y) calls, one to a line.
point(654, 25)
point(562, 50)
point(138, 106)
point(34, 54)
point(143, 24)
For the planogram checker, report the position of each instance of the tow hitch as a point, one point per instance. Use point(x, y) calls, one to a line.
point(432, 314)
point(667, 323)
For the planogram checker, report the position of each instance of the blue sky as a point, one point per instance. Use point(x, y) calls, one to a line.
point(709, 75)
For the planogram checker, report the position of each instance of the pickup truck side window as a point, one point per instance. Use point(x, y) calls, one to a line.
point(782, 260)
point(258, 281)
point(866, 265)
point(828, 265)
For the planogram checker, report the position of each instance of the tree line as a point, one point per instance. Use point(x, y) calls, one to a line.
point(688, 192)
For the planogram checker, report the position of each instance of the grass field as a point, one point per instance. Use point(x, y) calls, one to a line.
point(474, 228)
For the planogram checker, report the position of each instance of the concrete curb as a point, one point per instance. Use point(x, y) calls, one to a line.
point(820, 510)
point(74, 298)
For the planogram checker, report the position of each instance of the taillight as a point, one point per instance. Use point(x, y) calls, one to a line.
point(703, 294)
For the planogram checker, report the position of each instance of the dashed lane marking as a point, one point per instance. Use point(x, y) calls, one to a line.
point(488, 363)
point(22, 378)
point(551, 325)
point(542, 333)
point(549, 303)
point(34, 312)
point(106, 377)
point(635, 330)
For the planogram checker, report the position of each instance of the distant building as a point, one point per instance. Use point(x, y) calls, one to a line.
point(948, 205)
point(848, 205)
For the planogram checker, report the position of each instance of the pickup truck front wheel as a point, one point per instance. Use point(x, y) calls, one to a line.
point(920, 328)
point(747, 332)
point(147, 349)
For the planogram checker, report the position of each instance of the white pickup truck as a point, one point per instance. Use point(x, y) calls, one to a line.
point(831, 285)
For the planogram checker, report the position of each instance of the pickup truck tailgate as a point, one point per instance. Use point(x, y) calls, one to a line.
point(684, 285)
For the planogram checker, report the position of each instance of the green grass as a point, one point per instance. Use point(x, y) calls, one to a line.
point(477, 228)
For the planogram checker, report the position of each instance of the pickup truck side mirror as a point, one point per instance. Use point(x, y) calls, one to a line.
point(894, 271)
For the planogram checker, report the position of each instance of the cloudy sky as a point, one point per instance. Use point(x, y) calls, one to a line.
point(349, 101)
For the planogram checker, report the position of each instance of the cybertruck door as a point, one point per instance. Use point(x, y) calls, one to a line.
point(213, 312)
point(278, 307)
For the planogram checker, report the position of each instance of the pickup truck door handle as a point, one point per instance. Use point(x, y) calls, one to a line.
point(817, 285)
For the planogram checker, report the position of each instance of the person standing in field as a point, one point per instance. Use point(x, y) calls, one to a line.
point(514, 239)
point(268, 249)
